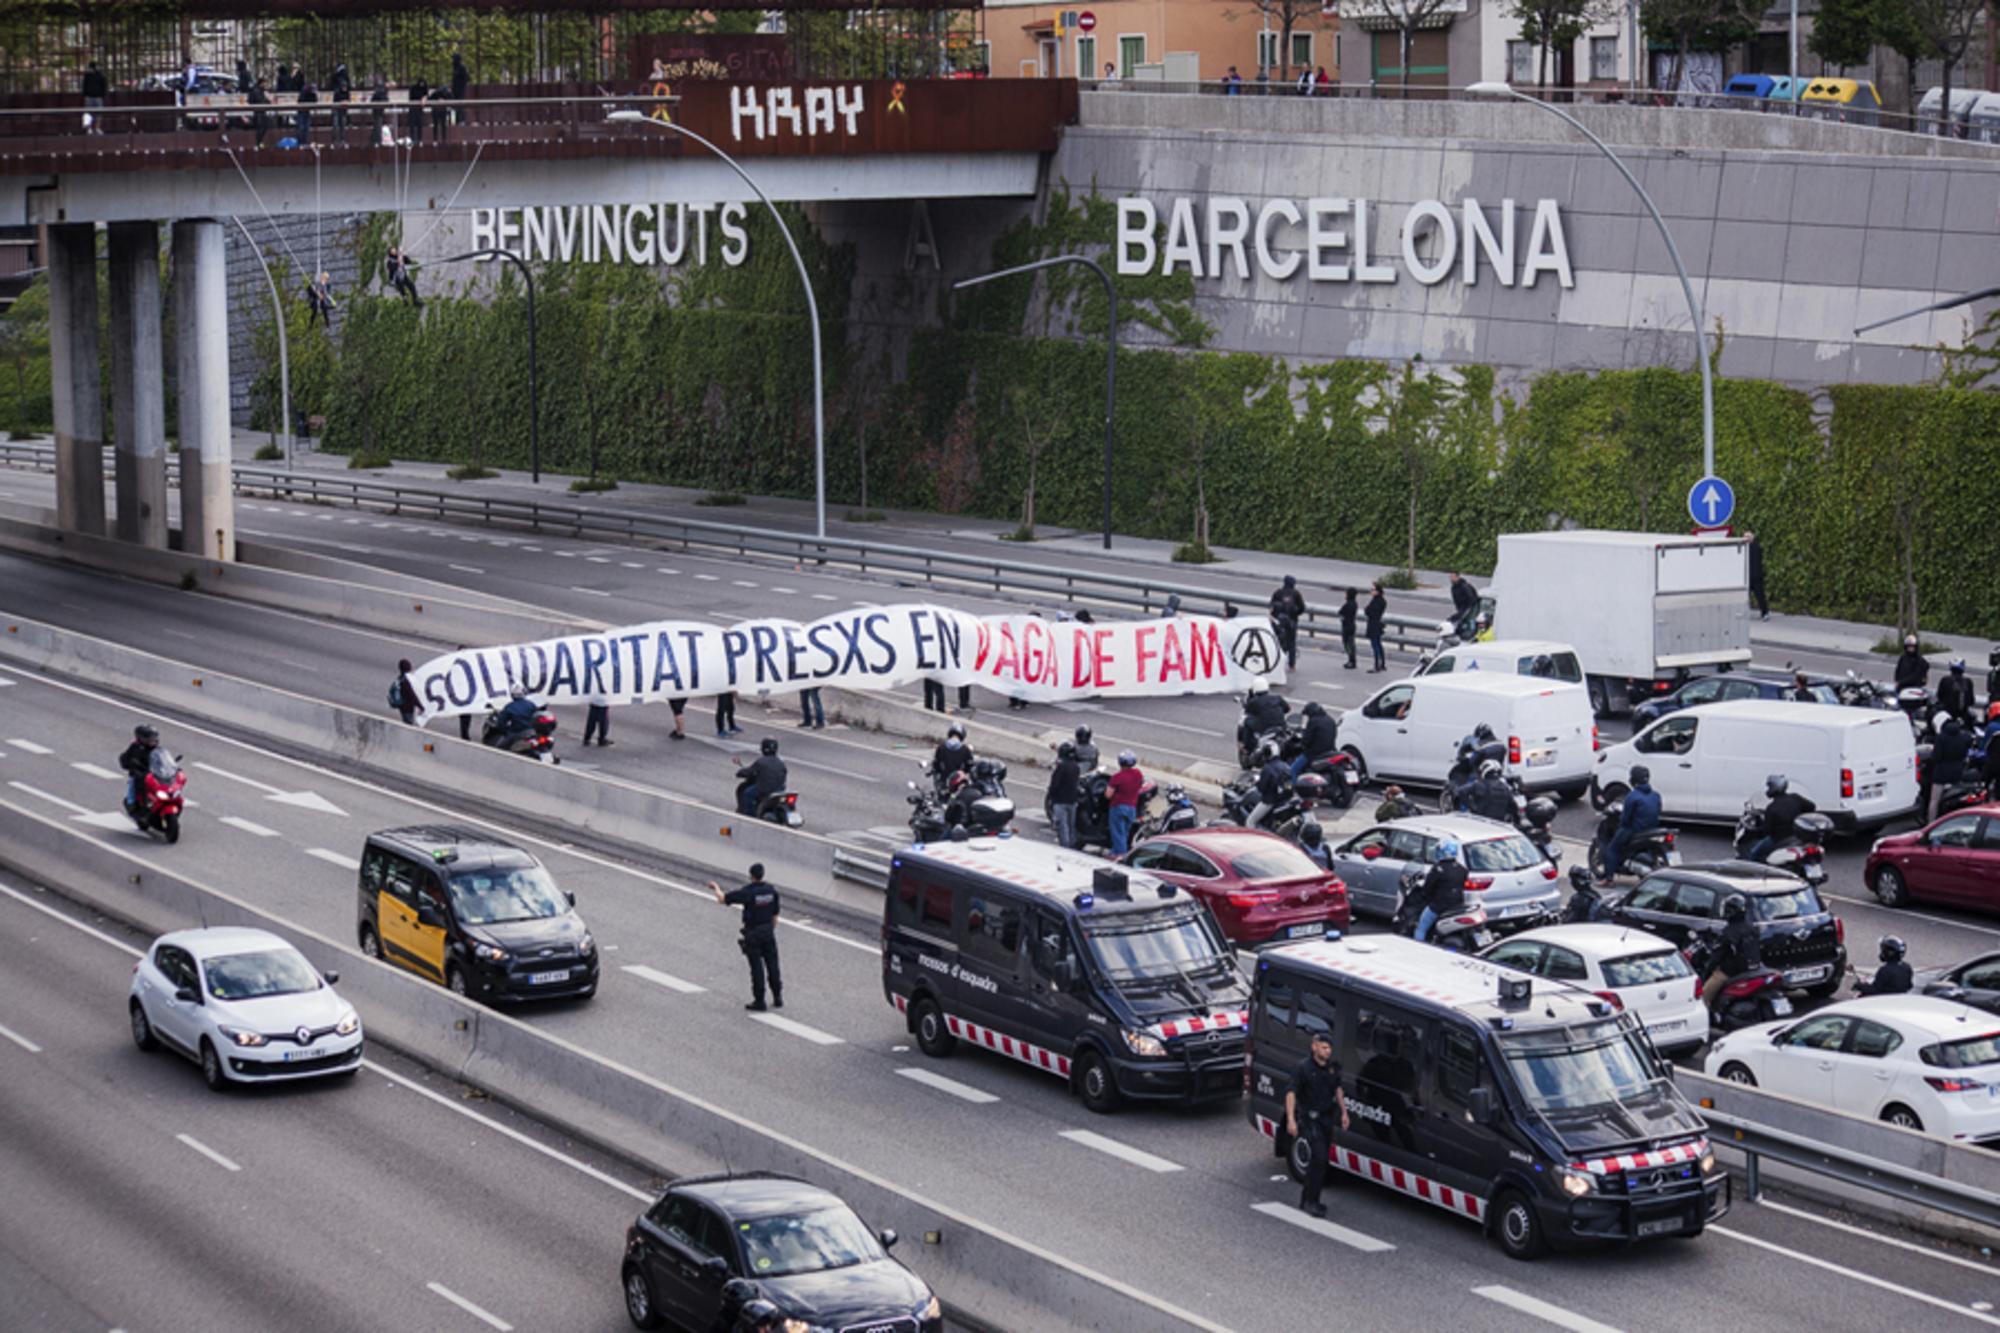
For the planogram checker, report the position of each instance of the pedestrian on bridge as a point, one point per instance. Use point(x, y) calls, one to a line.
point(308, 99)
point(343, 93)
point(1377, 609)
point(260, 119)
point(759, 940)
point(461, 84)
point(95, 89)
point(419, 90)
point(440, 113)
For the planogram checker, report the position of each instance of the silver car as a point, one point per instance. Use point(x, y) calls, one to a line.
point(1515, 882)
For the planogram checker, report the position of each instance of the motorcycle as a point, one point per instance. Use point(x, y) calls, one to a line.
point(1465, 771)
point(1586, 902)
point(537, 743)
point(1464, 931)
point(158, 809)
point(1859, 692)
point(1178, 817)
point(1757, 996)
point(1537, 821)
point(780, 807)
point(1963, 796)
point(1798, 855)
point(1241, 797)
point(980, 806)
point(1273, 743)
point(1093, 811)
point(1644, 852)
point(1343, 777)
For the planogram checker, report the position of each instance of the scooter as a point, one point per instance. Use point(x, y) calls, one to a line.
point(780, 807)
point(1537, 821)
point(1464, 931)
point(538, 743)
point(980, 805)
point(158, 809)
point(1343, 777)
point(1963, 796)
point(1645, 852)
point(1240, 798)
point(1179, 816)
point(1758, 996)
point(1800, 855)
point(1273, 743)
point(1465, 771)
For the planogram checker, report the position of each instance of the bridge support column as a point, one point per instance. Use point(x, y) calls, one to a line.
point(201, 354)
point(78, 391)
point(138, 384)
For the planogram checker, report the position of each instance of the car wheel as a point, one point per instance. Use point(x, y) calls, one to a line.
point(1610, 794)
point(173, 828)
point(1360, 764)
point(1902, 1117)
point(1890, 888)
point(370, 946)
point(142, 1030)
point(1516, 1227)
point(211, 1068)
point(1094, 1083)
point(1573, 792)
point(933, 1033)
point(639, 1305)
point(1734, 1072)
point(454, 980)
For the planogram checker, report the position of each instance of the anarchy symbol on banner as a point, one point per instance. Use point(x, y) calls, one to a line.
point(1254, 649)
point(659, 111)
point(896, 98)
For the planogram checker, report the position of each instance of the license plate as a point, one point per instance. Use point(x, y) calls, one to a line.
point(1781, 1006)
point(313, 1054)
point(1674, 1026)
point(1541, 758)
point(1673, 858)
point(545, 978)
point(1807, 975)
point(1304, 932)
point(1662, 1226)
point(1871, 791)
point(793, 819)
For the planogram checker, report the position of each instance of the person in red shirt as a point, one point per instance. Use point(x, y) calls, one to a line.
point(1122, 791)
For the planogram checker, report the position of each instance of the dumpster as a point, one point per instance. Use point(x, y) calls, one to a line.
point(1851, 100)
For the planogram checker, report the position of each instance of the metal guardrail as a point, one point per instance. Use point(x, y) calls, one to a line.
point(859, 868)
point(928, 567)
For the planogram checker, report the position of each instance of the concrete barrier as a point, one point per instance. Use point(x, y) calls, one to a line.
point(996, 1279)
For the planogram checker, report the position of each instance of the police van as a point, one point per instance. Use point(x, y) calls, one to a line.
point(1532, 1107)
point(1113, 980)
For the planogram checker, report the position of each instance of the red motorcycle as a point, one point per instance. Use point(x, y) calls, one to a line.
point(158, 809)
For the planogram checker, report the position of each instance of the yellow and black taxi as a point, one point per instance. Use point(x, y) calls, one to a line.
point(479, 915)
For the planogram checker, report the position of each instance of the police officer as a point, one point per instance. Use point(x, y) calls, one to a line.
point(1310, 1101)
point(759, 902)
point(1738, 950)
point(1894, 976)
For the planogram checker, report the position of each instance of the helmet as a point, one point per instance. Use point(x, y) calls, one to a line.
point(1258, 685)
point(1993, 710)
point(1490, 769)
point(1892, 949)
point(1958, 664)
point(146, 732)
point(1314, 709)
point(956, 731)
point(1066, 751)
point(518, 692)
point(1310, 787)
point(1083, 735)
point(1777, 784)
point(1446, 851)
point(1126, 759)
point(1580, 879)
point(1735, 907)
point(957, 779)
point(1484, 731)
point(770, 745)
point(1641, 775)
point(1309, 833)
point(1993, 657)
point(1951, 724)
point(1910, 642)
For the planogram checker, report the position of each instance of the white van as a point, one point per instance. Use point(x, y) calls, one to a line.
point(1508, 655)
point(1858, 765)
point(1410, 730)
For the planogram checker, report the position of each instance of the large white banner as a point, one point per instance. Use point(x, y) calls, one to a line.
point(868, 648)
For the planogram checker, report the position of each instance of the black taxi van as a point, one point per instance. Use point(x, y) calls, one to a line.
point(1529, 1106)
point(1115, 981)
point(481, 916)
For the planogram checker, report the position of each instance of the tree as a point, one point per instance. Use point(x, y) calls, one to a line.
point(1845, 31)
point(1410, 423)
point(1408, 16)
point(1556, 25)
point(1700, 25)
point(1944, 30)
point(1285, 15)
point(1041, 416)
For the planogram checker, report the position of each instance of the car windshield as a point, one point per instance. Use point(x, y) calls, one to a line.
point(1512, 852)
point(252, 976)
point(1577, 1068)
point(1130, 945)
point(1645, 969)
point(512, 893)
point(1272, 862)
point(1802, 901)
point(806, 1243)
point(1966, 1053)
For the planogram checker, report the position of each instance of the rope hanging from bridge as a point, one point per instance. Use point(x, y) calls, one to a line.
point(445, 212)
point(275, 230)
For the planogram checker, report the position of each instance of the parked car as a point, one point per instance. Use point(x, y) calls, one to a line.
point(1260, 886)
point(806, 1252)
point(1953, 861)
point(1975, 982)
point(244, 1005)
point(1636, 971)
point(1797, 935)
point(1911, 1060)
point(1505, 871)
point(1726, 688)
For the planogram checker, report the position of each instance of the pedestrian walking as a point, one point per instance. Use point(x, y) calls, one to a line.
point(1349, 609)
point(440, 113)
point(243, 79)
point(343, 93)
point(1288, 607)
point(933, 694)
point(1121, 793)
point(284, 83)
point(1310, 1105)
point(759, 940)
point(319, 300)
point(1378, 607)
point(1306, 84)
point(597, 721)
point(679, 733)
point(1065, 787)
point(260, 119)
point(965, 699)
point(725, 714)
point(1756, 558)
point(812, 711)
point(1232, 83)
point(403, 692)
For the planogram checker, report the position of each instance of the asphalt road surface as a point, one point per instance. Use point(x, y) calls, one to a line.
point(1188, 1205)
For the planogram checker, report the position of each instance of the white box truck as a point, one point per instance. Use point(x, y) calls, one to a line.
point(1641, 609)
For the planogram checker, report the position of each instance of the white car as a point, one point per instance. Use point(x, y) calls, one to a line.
point(1925, 1064)
point(1634, 970)
point(244, 1005)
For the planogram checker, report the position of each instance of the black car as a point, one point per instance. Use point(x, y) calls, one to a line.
point(714, 1243)
point(1797, 935)
point(479, 915)
point(1975, 982)
point(1723, 688)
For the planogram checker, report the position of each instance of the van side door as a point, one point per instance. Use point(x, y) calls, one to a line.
point(1388, 1096)
point(989, 952)
point(432, 926)
point(396, 909)
point(1278, 1048)
point(1465, 1154)
point(1055, 998)
point(1669, 750)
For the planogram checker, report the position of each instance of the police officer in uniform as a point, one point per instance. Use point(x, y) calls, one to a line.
point(1310, 1103)
point(759, 902)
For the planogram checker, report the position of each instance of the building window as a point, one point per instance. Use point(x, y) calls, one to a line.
point(1131, 52)
point(1302, 50)
point(1086, 58)
point(1604, 59)
point(1267, 50)
point(1521, 62)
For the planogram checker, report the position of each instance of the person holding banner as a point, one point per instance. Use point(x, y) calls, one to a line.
point(725, 714)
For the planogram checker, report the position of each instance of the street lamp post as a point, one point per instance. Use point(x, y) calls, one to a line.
point(1110, 351)
point(1950, 303)
point(534, 379)
point(630, 117)
point(1673, 253)
point(284, 353)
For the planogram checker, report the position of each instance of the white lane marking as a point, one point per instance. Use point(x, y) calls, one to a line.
point(1876, 904)
point(801, 1030)
point(29, 746)
point(1155, 721)
point(97, 771)
point(1872, 1281)
point(664, 570)
point(491, 1319)
point(1319, 1226)
point(1123, 1152)
point(829, 768)
point(742, 583)
point(963, 1092)
point(1552, 1314)
point(70, 806)
point(4, 682)
point(597, 560)
point(1323, 685)
point(238, 822)
point(788, 592)
point(341, 859)
point(467, 569)
point(824, 597)
point(536, 549)
point(592, 592)
point(208, 1152)
point(672, 983)
point(264, 787)
point(70, 921)
point(630, 564)
point(565, 555)
point(1770, 1205)
point(709, 578)
point(20, 1041)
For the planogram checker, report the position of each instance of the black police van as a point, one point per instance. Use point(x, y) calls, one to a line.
point(1530, 1106)
point(1113, 980)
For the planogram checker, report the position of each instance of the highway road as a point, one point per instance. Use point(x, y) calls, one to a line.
point(1188, 1206)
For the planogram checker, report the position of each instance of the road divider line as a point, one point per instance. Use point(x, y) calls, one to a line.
point(27, 900)
point(801, 1030)
point(591, 592)
point(671, 982)
point(820, 596)
point(1319, 1226)
point(1542, 1310)
point(1772, 1206)
point(486, 1316)
point(949, 1086)
point(20, 1041)
point(28, 747)
point(97, 771)
point(630, 564)
point(257, 830)
point(208, 1152)
point(341, 859)
point(1124, 1153)
point(597, 559)
point(466, 569)
point(1873, 1281)
point(57, 801)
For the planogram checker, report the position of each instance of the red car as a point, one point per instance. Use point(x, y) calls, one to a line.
point(1260, 887)
point(1956, 861)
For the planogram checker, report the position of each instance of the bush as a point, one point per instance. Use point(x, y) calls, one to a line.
point(1399, 580)
point(865, 516)
point(721, 499)
point(1195, 553)
point(267, 453)
point(370, 459)
point(590, 485)
point(470, 472)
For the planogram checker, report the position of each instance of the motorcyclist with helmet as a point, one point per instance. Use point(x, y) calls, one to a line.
point(1481, 745)
point(1490, 797)
point(1955, 693)
point(1948, 755)
point(1086, 753)
point(1894, 976)
point(1585, 904)
point(137, 761)
point(1781, 815)
point(1639, 812)
point(765, 776)
point(1274, 783)
point(1263, 710)
point(952, 755)
point(1738, 949)
point(518, 717)
point(1312, 841)
point(1913, 669)
point(1443, 889)
point(1321, 739)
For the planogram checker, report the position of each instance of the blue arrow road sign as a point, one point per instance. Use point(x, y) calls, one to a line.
point(1711, 503)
